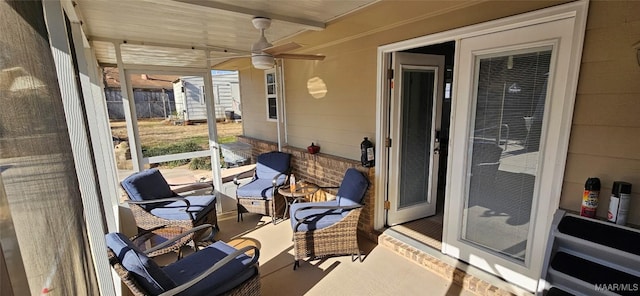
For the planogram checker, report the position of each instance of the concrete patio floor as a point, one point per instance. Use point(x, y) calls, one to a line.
point(382, 272)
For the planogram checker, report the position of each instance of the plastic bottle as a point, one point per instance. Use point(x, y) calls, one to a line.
point(619, 204)
point(590, 198)
point(367, 153)
point(292, 183)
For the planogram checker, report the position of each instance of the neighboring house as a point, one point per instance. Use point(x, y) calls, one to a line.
point(153, 94)
point(487, 116)
point(190, 99)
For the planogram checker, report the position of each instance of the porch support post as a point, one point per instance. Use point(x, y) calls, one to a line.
point(282, 98)
point(279, 103)
point(98, 124)
point(214, 146)
point(130, 116)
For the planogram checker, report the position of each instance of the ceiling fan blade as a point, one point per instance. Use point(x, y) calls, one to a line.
point(230, 57)
point(292, 56)
point(274, 50)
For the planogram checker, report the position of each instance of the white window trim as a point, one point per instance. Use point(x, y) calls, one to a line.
point(274, 96)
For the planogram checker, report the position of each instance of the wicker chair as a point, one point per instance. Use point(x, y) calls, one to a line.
point(218, 269)
point(257, 196)
point(330, 228)
point(154, 204)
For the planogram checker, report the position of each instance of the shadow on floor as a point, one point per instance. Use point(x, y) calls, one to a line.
point(382, 272)
point(279, 270)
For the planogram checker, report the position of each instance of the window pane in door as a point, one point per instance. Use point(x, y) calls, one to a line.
point(417, 109)
point(511, 91)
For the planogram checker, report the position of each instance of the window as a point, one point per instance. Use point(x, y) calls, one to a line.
point(272, 95)
point(511, 94)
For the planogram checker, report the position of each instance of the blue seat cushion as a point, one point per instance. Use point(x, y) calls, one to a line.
point(224, 279)
point(146, 272)
point(146, 185)
point(200, 205)
point(352, 189)
point(258, 188)
point(315, 218)
point(269, 165)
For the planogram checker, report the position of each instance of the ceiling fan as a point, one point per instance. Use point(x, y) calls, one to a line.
point(263, 53)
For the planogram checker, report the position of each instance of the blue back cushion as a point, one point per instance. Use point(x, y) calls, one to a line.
point(146, 272)
point(270, 164)
point(147, 185)
point(352, 189)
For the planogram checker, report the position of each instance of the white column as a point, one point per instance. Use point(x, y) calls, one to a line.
point(214, 146)
point(130, 116)
point(98, 124)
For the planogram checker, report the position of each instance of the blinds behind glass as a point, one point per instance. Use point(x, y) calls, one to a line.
point(510, 103)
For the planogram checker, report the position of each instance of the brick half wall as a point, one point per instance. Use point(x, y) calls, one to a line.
point(326, 171)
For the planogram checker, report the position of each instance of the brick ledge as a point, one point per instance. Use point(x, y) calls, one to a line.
point(455, 275)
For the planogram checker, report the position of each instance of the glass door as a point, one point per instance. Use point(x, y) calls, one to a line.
point(509, 131)
point(503, 151)
point(415, 120)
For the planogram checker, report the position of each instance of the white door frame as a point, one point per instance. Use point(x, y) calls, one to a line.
point(577, 10)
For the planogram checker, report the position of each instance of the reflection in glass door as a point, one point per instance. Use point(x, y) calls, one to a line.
point(511, 91)
point(510, 125)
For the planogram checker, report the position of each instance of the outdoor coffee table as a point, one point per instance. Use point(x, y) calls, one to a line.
point(302, 190)
point(151, 238)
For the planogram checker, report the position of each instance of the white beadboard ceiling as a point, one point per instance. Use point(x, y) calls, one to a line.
point(163, 32)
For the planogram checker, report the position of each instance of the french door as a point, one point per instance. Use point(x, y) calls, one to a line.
point(415, 119)
point(509, 135)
